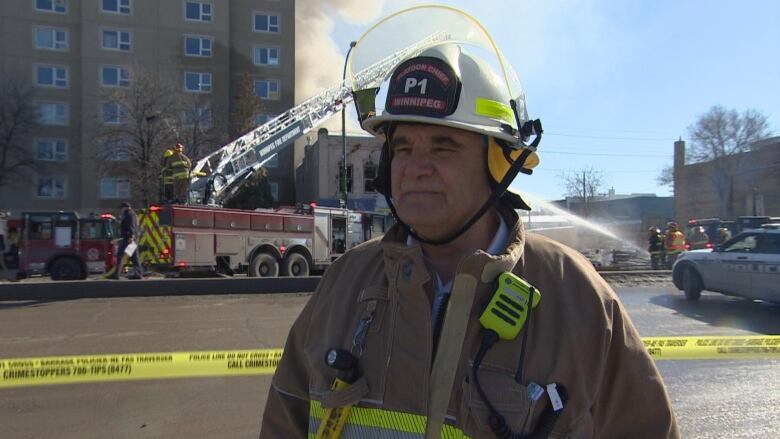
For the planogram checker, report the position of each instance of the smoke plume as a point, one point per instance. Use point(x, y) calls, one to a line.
point(319, 63)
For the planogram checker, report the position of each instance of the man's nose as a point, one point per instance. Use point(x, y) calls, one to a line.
point(420, 164)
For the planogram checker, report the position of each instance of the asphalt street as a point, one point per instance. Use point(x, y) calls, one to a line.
point(713, 399)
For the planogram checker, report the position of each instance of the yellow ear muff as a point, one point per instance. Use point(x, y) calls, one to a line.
point(499, 162)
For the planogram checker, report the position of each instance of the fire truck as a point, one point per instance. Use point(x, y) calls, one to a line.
point(201, 235)
point(64, 245)
point(287, 241)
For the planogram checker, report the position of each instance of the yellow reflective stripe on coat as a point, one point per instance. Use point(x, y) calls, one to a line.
point(367, 422)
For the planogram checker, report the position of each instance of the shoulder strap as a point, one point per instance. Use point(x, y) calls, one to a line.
point(447, 358)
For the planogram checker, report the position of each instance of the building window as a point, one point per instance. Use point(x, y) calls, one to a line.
point(58, 6)
point(115, 150)
point(266, 22)
point(51, 39)
point(197, 82)
point(349, 177)
point(369, 174)
point(114, 187)
point(116, 6)
point(267, 88)
point(115, 40)
point(266, 56)
point(197, 11)
point(113, 113)
point(114, 76)
point(51, 150)
point(198, 116)
point(51, 76)
point(197, 46)
point(274, 190)
point(51, 187)
point(53, 113)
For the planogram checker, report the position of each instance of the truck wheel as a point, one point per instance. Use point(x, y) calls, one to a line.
point(691, 283)
point(65, 269)
point(264, 265)
point(295, 264)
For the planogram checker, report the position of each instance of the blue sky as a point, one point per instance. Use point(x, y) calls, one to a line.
point(616, 83)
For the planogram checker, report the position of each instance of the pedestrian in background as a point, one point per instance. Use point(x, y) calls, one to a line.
point(128, 230)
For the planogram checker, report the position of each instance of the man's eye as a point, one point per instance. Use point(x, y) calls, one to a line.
point(401, 150)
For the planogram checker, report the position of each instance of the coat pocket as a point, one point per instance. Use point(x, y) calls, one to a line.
point(508, 397)
point(365, 332)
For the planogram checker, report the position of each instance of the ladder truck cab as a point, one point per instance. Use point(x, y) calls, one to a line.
point(63, 245)
point(288, 241)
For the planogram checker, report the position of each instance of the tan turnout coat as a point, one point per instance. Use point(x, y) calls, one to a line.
point(580, 336)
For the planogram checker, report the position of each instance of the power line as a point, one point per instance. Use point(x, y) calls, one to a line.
point(616, 130)
point(622, 171)
point(654, 139)
point(547, 151)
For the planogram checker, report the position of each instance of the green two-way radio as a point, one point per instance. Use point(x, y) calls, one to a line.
point(507, 310)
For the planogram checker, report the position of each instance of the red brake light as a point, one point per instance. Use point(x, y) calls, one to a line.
point(106, 216)
point(687, 245)
point(313, 204)
point(693, 221)
point(709, 244)
point(182, 264)
point(154, 208)
point(282, 248)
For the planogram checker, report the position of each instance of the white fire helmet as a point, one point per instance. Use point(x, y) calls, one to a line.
point(445, 85)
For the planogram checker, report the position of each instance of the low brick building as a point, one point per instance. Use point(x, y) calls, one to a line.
point(754, 188)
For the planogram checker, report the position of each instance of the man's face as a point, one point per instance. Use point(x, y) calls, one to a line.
point(439, 177)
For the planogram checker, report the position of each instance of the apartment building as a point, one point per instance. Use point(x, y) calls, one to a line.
point(73, 50)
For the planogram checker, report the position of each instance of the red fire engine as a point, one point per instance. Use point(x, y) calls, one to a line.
point(261, 243)
point(63, 245)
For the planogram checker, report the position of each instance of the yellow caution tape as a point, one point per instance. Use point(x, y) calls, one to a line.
point(21, 372)
point(713, 347)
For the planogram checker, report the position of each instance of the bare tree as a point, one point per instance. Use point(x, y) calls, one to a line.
point(137, 124)
point(584, 185)
point(17, 120)
point(200, 131)
point(666, 178)
point(254, 193)
point(720, 136)
point(246, 107)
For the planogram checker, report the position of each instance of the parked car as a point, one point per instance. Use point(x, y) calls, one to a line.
point(747, 265)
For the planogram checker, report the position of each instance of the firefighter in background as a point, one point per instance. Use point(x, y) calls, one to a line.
point(674, 243)
point(167, 176)
point(656, 247)
point(177, 166)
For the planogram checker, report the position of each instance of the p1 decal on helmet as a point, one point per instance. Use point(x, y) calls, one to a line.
point(424, 86)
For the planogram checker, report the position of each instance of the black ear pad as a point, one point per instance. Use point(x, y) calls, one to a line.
point(382, 180)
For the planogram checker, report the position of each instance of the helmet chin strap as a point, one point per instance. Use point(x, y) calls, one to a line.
point(498, 190)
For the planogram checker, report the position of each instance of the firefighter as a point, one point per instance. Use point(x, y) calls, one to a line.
point(656, 247)
point(395, 316)
point(178, 166)
point(129, 233)
point(674, 243)
point(167, 176)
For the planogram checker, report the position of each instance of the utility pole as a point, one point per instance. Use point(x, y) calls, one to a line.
point(344, 132)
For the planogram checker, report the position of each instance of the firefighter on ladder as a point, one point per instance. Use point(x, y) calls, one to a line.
point(176, 175)
point(674, 243)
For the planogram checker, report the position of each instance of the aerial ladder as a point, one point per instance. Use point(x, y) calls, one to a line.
point(221, 173)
